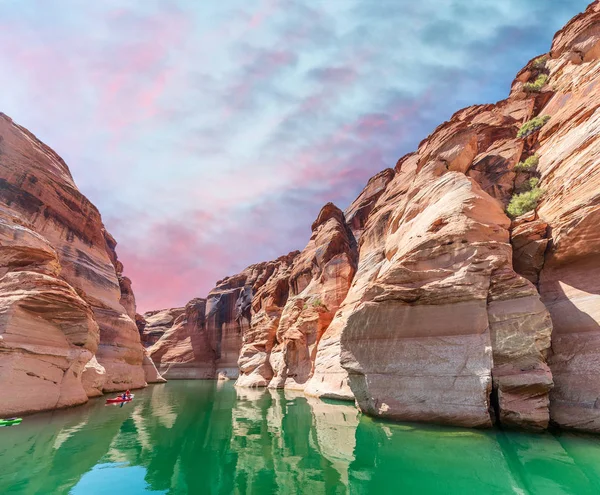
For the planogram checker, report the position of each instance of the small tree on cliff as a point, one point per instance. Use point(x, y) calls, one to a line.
point(527, 200)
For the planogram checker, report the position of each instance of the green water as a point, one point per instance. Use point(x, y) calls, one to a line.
point(206, 437)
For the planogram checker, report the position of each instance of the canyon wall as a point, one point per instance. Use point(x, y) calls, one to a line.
point(265, 325)
point(423, 300)
point(66, 327)
point(569, 150)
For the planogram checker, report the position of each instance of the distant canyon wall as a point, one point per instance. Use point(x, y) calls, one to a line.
point(66, 310)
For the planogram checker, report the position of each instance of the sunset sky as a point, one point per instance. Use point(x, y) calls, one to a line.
point(210, 133)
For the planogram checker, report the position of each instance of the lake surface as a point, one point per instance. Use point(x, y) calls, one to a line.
point(206, 437)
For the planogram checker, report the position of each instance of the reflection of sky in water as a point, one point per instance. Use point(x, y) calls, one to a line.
point(203, 437)
point(110, 479)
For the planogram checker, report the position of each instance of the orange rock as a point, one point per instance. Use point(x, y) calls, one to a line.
point(183, 350)
point(569, 150)
point(320, 278)
point(63, 299)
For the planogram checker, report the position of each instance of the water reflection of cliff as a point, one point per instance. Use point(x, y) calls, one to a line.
point(288, 443)
point(49, 452)
point(206, 437)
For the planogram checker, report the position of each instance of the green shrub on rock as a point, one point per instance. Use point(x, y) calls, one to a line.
point(536, 87)
point(529, 165)
point(525, 201)
point(532, 125)
point(540, 62)
point(318, 304)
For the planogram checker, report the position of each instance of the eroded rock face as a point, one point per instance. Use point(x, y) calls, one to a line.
point(424, 301)
point(423, 330)
point(319, 281)
point(569, 150)
point(153, 324)
point(262, 303)
point(271, 317)
point(63, 299)
point(183, 351)
point(226, 322)
point(358, 212)
point(529, 238)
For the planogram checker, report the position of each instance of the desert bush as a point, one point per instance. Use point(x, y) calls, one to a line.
point(540, 62)
point(529, 165)
point(536, 87)
point(532, 125)
point(525, 201)
point(533, 183)
point(317, 303)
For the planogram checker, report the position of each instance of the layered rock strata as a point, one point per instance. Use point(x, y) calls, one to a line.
point(319, 281)
point(423, 301)
point(184, 351)
point(66, 328)
point(569, 282)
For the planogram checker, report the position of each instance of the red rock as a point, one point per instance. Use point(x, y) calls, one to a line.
point(62, 294)
point(442, 320)
point(320, 278)
point(262, 303)
point(358, 212)
point(569, 150)
point(183, 351)
point(529, 241)
point(156, 323)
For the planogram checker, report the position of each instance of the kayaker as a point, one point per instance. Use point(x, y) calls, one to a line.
point(128, 394)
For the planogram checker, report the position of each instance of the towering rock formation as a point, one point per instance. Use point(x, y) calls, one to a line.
point(320, 279)
point(268, 321)
point(66, 328)
point(184, 351)
point(440, 278)
point(424, 301)
point(569, 150)
point(261, 304)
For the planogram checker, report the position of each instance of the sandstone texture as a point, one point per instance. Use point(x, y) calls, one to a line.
point(66, 327)
point(271, 325)
point(153, 325)
point(569, 282)
point(319, 281)
point(424, 301)
point(183, 351)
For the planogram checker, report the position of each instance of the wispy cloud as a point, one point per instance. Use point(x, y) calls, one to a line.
point(209, 134)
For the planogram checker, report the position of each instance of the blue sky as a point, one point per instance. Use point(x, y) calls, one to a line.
point(209, 134)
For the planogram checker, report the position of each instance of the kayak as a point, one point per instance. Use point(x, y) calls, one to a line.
point(119, 400)
point(10, 421)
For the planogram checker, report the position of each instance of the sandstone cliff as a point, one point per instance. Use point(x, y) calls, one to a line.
point(183, 351)
point(423, 300)
point(441, 290)
point(66, 328)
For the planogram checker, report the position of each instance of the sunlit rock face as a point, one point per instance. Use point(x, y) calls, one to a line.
point(428, 328)
point(569, 150)
point(153, 324)
point(443, 312)
point(319, 281)
point(242, 313)
point(63, 298)
point(260, 305)
point(424, 301)
point(264, 326)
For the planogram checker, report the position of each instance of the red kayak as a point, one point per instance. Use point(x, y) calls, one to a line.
point(119, 400)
